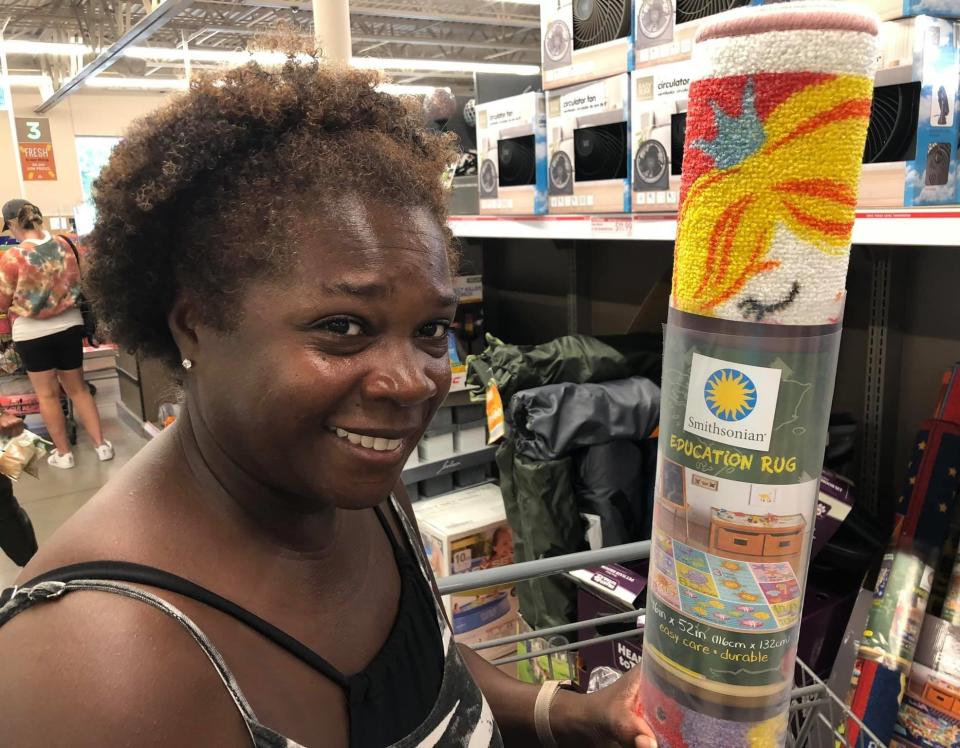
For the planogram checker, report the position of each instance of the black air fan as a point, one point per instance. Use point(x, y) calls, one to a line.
point(694, 10)
point(518, 161)
point(678, 131)
point(892, 134)
point(599, 21)
point(600, 152)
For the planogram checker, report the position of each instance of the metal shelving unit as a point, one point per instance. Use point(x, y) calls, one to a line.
point(931, 227)
point(447, 465)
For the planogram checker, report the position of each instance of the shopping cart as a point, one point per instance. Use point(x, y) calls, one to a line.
point(17, 396)
point(817, 717)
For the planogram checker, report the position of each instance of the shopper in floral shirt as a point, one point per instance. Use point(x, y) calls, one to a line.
point(39, 288)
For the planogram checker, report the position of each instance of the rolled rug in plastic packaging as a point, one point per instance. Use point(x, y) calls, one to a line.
point(776, 124)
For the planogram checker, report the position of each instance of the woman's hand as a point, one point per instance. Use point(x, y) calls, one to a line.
point(608, 717)
point(10, 425)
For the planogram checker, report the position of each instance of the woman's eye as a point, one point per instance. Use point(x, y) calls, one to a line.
point(345, 327)
point(435, 329)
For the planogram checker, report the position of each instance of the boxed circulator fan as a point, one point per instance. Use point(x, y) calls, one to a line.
point(911, 151)
point(665, 29)
point(658, 119)
point(512, 151)
point(891, 9)
point(588, 148)
point(583, 40)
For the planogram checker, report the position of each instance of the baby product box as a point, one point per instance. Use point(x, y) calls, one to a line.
point(930, 713)
point(588, 148)
point(465, 531)
point(583, 41)
point(603, 591)
point(512, 151)
point(911, 152)
point(658, 101)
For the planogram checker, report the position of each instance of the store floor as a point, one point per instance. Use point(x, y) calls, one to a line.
point(57, 494)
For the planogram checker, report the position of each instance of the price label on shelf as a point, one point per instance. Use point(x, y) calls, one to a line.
point(612, 226)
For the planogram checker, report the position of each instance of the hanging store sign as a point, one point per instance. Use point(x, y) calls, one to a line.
point(36, 149)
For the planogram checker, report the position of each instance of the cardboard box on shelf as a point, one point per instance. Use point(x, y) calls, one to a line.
point(834, 502)
point(912, 146)
point(512, 154)
point(465, 531)
point(588, 147)
point(930, 713)
point(603, 591)
point(665, 30)
point(658, 124)
point(890, 9)
point(581, 42)
point(911, 156)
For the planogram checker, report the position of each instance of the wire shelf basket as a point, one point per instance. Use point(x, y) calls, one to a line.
point(817, 717)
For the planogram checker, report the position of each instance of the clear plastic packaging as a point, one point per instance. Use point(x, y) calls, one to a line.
point(743, 426)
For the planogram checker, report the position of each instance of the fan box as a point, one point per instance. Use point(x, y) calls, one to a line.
point(658, 100)
point(588, 147)
point(891, 9)
point(911, 157)
point(583, 40)
point(664, 30)
point(512, 152)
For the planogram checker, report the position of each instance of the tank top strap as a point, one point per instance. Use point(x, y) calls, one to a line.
point(16, 600)
point(125, 571)
point(415, 546)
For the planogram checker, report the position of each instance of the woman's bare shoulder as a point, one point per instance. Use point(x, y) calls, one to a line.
point(123, 520)
point(94, 668)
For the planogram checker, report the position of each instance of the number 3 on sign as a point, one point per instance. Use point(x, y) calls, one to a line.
point(33, 130)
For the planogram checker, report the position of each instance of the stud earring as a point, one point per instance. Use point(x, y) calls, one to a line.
point(187, 364)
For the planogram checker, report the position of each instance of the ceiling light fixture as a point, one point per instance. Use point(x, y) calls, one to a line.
point(399, 89)
point(237, 57)
point(27, 47)
point(28, 81)
point(443, 66)
point(153, 84)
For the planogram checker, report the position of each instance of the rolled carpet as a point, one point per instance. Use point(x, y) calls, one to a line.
point(776, 123)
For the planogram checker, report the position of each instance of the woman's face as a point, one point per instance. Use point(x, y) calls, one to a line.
point(335, 368)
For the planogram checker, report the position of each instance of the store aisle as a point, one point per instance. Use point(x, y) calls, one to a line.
point(57, 494)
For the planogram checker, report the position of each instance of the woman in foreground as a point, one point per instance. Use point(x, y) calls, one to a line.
point(281, 240)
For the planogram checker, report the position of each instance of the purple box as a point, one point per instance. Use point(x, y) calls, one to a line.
point(834, 503)
point(603, 591)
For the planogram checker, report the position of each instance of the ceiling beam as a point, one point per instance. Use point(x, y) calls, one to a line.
point(441, 42)
point(439, 15)
point(159, 17)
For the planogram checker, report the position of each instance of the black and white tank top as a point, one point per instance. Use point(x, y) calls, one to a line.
point(458, 717)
